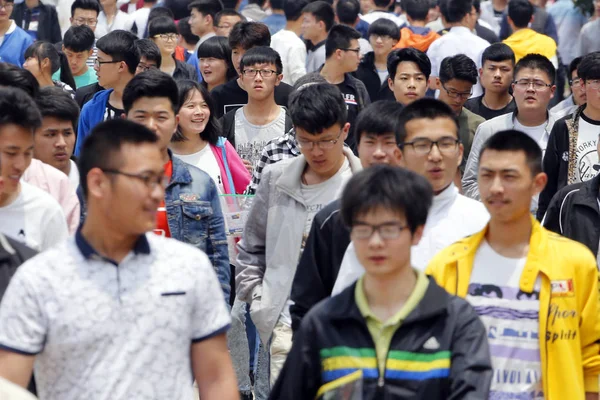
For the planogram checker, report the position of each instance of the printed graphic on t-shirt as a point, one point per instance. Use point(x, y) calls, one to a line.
point(586, 150)
point(112, 113)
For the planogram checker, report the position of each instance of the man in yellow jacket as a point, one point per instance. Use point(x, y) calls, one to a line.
point(536, 292)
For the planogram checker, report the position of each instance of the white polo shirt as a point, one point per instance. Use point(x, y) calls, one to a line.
point(107, 331)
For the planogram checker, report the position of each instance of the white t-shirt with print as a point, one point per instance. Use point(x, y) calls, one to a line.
point(34, 218)
point(250, 139)
point(587, 152)
point(511, 320)
point(206, 161)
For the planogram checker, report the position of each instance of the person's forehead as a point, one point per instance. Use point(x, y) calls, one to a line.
point(458, 83)
point(82, 12)
point(71, 52)
point(140, 157)
point(52, 122)
point(532, 73)
point(503, 63)
point(145, 60)
point(309, 16)
point(103, 55)
point(261, 66)
point(230, 19)
point(15, 136)
point(431, 128)
point(152, 104)
point(496, 160)
point(326, 133)
point(408, 67)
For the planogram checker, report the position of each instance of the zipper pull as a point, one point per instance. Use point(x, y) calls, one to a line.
point(380, 381)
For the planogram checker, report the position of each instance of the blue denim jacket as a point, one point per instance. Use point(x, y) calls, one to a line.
point(194, 216)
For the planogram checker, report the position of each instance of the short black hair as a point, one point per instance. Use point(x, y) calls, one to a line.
point(248, 35)
point(259, 2)
point(41, 50)
point(218, 47)
point(309, 79)
point(212, 131)
point(161, 25)
point(408, 54)
point(147, 48)
point(536, 61)
point(458, 67)
point(79, 38)
point(227, 13)
point(13, 76)
point(156, 12)
point(314, 108)
point(425, 108)
point(347, 11)
point(390, 188)
point(589, 68)
point(120, 45)
point(381, 3)
point(101, 149)
point(151, 83)
point(207, 7)
point(417, 10)
point(498, 52)
point(514, 140)
point(379, 118)
point(520, 12)
point(18, 108)
point(574, 65)
point(339, 37)
point(93, 5)
point(54, 102)
point(185, 30)
point(261, 55)
point(293, 9)
point(455, 10)
point(384, 27)
point(322, 11)
point(277, 4)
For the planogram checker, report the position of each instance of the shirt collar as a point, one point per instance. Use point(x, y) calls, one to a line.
point(141, 246)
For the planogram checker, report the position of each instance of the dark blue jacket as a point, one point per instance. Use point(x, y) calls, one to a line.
point(92, 114)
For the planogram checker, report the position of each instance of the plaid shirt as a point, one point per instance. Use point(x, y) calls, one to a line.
point(276, 150)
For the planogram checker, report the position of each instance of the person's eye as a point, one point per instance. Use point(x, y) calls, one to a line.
point(162, 119)
point(421, 78)
point(369, 142)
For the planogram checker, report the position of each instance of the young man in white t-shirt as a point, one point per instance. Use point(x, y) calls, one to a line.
point(288, 44)
point(54, 141)
point(564, 166)
point(27, 213)
point(536, 292)
point(251, 127)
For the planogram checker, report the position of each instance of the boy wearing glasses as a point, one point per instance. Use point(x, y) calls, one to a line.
point(289, 195)
point(564, 163)
point(394, 333)
point(533, 88)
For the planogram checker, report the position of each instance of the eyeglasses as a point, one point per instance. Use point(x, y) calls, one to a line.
point(146, 67)
point(265, 73)
point(7, 5)
point(357, 51)
point(98, 63)
point(167, 37)
point(445, 145)
point(386, 231)
point(150, 180)
point(321, 144)
point(575, 82)
point(88, 22)
point(593, 84)
point(455, 95)
point(536, 83)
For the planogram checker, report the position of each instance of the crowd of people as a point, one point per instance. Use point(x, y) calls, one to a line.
point(296, 199)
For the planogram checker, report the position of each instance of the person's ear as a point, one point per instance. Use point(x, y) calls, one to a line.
point(97, 183)
point(391, 83)
point(539, 183)
point(345, 131)
point(461, 152)
point(438, 83)
point(398, 157)
point(417, 235)
point(480, 72)
point(552, 91)
point(279, 79)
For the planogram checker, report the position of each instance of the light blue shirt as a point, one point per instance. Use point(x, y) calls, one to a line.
point(568, 20)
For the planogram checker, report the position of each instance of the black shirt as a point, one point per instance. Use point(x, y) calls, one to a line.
point(476, 106)
point(350, 97)
point(231, 96)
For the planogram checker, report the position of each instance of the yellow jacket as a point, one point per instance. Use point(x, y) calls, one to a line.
point(526, 41)
point(569, 323)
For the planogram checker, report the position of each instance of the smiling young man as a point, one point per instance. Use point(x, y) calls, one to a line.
point(295, 190)
point(395, 333)
point(115, 66)
point(533, 88)
point(542, 319)
point(408, 72)
point(496, 76)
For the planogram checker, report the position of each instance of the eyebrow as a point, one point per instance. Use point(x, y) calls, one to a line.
point(484, 169)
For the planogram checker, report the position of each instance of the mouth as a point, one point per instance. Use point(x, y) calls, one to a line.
point(411, 94)
point(198, 120)
point(258, 87)
point(497, 202)
point(15, 178)
point(377, 259)
point(436, 172)
point(62, 156)
point(530, 99)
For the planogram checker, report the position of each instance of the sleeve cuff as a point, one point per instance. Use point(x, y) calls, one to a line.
point(18, 351)
point(212, 334)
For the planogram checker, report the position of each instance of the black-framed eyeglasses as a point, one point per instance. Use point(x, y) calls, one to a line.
point(265, 73)
point(150, 180)
point(537, 84)
point(321, 144)
point(89, 22)
point(7, 5)
point(577, 82)
point(455, 95)
point(386, 231)
point(167, 37)
point(98, 63)
point(146, 67)
point(423, 146)
point(357, 51)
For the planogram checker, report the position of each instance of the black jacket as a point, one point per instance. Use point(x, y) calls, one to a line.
point(12, 255)
point(85, 93)
point(228, 125)
point(574, 213)
point(320, 261)
point(184, 71)
point(367, 74)
point(48, 26)
point(486, 34)
point(441, 327)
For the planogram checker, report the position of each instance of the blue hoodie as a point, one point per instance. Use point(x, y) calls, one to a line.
point(13, 47)
point(92, 114)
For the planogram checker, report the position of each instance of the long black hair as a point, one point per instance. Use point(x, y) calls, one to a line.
point(212, 131)
point(42, 50)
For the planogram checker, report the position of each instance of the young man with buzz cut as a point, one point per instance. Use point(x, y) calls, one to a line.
point(318, 18)
point(341, 60)
point(295, 190)
point(533, 88)
point(496, 77)
point(394, 333)
point(535, 291)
